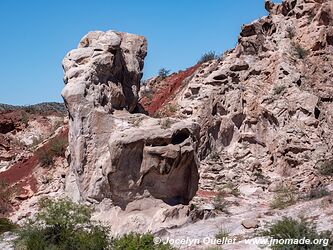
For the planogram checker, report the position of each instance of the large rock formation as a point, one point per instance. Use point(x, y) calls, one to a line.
point(265, 116)
point(265, 107)
point(116, 153)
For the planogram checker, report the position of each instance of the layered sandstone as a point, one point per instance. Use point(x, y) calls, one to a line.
point(117, 153)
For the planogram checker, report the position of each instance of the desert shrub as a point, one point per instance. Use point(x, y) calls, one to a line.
point(149, 95)
point(229, 188)
point(299, 51)
point(284, 196)
point(45, 157)
point(222, 233)
point(134, 241)
point(6, 225)
point(6, 194)
point(233, 189)
point(61, 225)
point(56, 148)
point(36, 141)
point(163, 73)
point(278, 89)
point(261, 179)
point(290, 32)
point(166, 123)
point(57, 125)
point(208, 56)
point(289, 228)
point(326, 168)
point(137, 123)
point(220, 204)
point(25, 118)
point(317, 193)
point(215, 156)
point(170, 109)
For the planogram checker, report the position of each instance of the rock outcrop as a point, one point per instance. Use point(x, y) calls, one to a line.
point(116, 152)
point(255, 125)
point(257, 118)
point(265, 107)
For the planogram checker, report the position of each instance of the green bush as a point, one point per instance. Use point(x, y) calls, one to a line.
point(289, 228)
point(220, 204)
point(229, 188)
point(222, 234)
point(208, 56)
point(62, 225)
point(6, 194)
point(45, 158)
point(214, 156)
point(25, 118)
point(317, 193)
point(57, 125)
point(135, 241)
point(261, 179)
point(299, 51)
point(56, 148)
point(284, 197)
point(149, 95)
point(6, 225)
point(166, 123)
point(278, 89)
point(326, 168)
point(172, 108)
point(163, 73)
point(36, 141)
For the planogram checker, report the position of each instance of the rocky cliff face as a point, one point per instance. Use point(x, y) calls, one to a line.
point(26, 135)
point(221, 141)
point(265, 106)
point(258, 117)
point(116, 153)
point(265, 112)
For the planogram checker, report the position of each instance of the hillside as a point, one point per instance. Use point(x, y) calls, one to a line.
point(45, 107)
point(223, 148)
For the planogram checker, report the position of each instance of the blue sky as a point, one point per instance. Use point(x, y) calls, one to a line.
point(36, 34)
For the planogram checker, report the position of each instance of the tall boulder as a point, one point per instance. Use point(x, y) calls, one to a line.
point(117, 153)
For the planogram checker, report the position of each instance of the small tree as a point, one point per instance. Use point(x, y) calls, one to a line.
point(289, 228)
point(317, 193)
point(25, 118)
point(220, 204)
point(284, 196)
point(299, 51)
point(163, 73)
point(278, 89)
point(208, 56)
point(222, 234)
point(6, 194)
point(56, 148)
point(166, 123)
point(326, 168)
point(60, 225)
point(6, 226)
